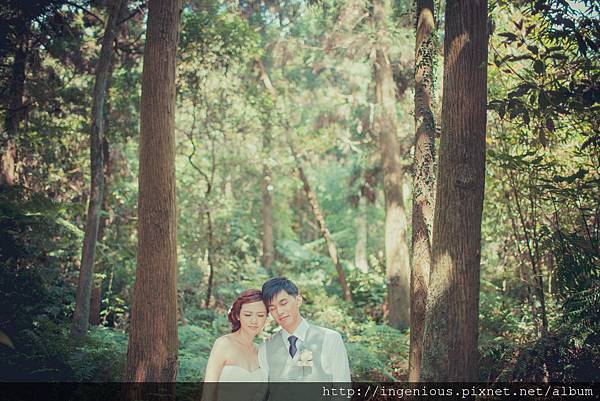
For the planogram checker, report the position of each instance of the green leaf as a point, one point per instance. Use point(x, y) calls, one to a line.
point(502, 110)
point(543, 100)
point(571, 178)
point(510, 37)
point(539, 67)
point(581, 44)
point(550, 124)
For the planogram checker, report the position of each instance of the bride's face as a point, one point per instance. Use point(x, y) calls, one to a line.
point(253, 317)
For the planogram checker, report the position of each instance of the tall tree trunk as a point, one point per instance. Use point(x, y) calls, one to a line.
point(268, 242)
point(451, 322)
point(153, 343)
point(397, 258)
point(15, 107)
point(96, 298)
point(331, 247)
point(210, 259)
point(268, 247)
point(360, 251)
point(81, 315)
point(423, 183)
point(95, 303)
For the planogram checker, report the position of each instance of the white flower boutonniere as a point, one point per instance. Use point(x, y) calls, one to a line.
point(305, 358)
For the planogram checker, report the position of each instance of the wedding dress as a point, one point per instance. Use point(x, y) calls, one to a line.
point(237, 383)
point(234, 373)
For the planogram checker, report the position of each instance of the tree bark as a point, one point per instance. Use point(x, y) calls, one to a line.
point(95, 303)
point(362, 235)
point(14, 112)
point(96, 298)
point(153, 342)
point(451, 323)
point(396, 246)
point(81, 315)
point(423, 182)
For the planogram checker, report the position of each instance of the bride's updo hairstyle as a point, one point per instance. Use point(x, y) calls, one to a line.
point(246, 297)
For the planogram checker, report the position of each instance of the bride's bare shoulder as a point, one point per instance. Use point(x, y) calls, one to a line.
point(223, 342)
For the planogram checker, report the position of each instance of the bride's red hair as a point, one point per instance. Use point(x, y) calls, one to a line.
point(246, 297)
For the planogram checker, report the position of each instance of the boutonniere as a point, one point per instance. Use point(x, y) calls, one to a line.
point(305, 358)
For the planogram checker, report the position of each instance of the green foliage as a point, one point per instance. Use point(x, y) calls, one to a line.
point(366, 365)
point(195, 344)
point(218, 37)
point(378, 352)
point(540, 217)
point(100, 357)
point(368, 292)
point(37, 249)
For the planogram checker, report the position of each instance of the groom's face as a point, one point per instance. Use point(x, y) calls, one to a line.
point(285, 309)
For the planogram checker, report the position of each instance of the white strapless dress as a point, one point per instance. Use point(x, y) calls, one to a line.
point(234, 373)
point(239, 384)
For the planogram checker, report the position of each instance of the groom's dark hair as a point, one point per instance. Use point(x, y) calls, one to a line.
point(276, 284)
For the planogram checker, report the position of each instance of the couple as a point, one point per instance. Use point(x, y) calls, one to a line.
point(299, 352)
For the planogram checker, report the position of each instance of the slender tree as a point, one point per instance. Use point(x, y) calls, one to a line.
point(206, 210)
point(268, 242)
point(362, 236)
point(15, 105)
point(423, 182)
point(96, 296)
point(153, 343)
point(450, 339)
point(366, 196)
point(320, 217)
point(251, 12)
point(310, 194)
point(397, 263)
point(81, 316)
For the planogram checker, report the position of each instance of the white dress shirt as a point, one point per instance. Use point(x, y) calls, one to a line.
point(334, 358)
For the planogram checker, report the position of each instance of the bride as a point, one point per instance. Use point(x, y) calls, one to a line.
point(234, 356)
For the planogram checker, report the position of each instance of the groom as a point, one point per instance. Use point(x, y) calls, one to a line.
point(300, 351)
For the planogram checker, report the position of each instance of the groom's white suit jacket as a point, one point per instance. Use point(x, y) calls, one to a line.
point(329, 358)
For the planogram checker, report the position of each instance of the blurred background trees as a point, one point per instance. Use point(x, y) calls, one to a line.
point(540, 232)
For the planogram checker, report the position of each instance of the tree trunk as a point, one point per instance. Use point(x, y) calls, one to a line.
point(450, 340)
point(211, 266)
point(423, 183)
point(362, 229)
point(268, 242)
point(96, 299)
point(316, 209)
point(268, 247)
point(81, 315)
point(153, 343)
point(95, 303)
point(15, 107)
point(396, 246)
